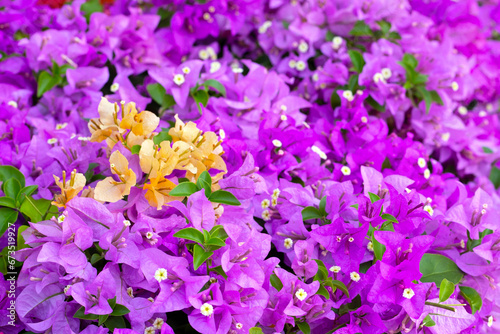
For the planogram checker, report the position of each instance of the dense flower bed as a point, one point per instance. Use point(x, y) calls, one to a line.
point(249, 166)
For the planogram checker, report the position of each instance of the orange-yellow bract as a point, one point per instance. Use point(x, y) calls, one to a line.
point(69, 189)
point(109, 190)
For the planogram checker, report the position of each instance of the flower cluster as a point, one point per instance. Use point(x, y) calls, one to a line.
point(306, 166)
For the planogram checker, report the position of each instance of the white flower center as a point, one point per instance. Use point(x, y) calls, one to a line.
point(300, 66)
point(239, 325)
point(303, 47)
point(13, 104)
point(429, 209)
point(206, 309)
point(370, 246)
point(408, 293)
point(427, 173)
point(158, 323)
point(421, 162)
point(203, 54)
point(355, 276)
point(114, 87)
point(266, 215)
point(150, 330)
point(462, 110)
point(490, 321)
point(266, 25)
point(283, 117)
point(288, 243)
point(454, 86)
point(265, 203)
point(292, 63)
point(277, 143)
point(52, 141)
point(345, 170)
point(318, 151)
point(364, 119)
point(337, 42)
point(378, 77)
point(215, 66)
point(445, 136)
point(186, 70)
point(61, 126)
point(347, 94)
point(161, 274)
point(335, 269)
point(301, 294)
point(179, 79)
point(386, 73)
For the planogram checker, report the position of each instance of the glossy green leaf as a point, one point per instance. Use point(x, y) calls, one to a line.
point(201, 97)
point(378, 248)
point(472, 297)
point(80, 314)
point(495, 176)
point(322, 272)
point(115, 322)
point(304, 327)
point(9, 172)
point(446, 289)
point(20, 239)
point(436, 267)
point(224, 197)
point(216, 85)
point(428, 322)
point(184, 189)
point(199, 256)
point(35, 209)
point(8, 202)
point(323, 291)
point(322, 206)
point(373, 197)
point(255, 330)
point(135, 149)
point(120, 310)
point(310, 212)
point(389, 217)
point(46, 82)
point(192, 234)
point(219, 271)
point(7, 215)
point(215, 242)
point(357, 60)
point(276, 282)
point(205, 182)
point(11, 188)
point(341, 286)
point(361, 29)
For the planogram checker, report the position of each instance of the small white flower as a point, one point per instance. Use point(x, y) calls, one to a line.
point(351, 239)
point(274, 201)
point(161, 274)
point(61, 126)
point(207, 309)
point(179, 79)
point(150, 330)
point(263, 28)
point(203, 54)
point(266, 215)
point(239, 325)
point(319, 152)
point(283, 107)
point(52, 141)
point(454, 86)
point(315, 77)
point(301, 294)
point(13, 104)
point(212, 53)
point(337, 42)
point(265, 203)
point(408, 293)
point(489, 107)
point(276, 193)
point(277, 143)
point(61, 218)
point(345, 170)
point(215, 66)
point(149, 235)
point(130, 292)
point(186, 70)
point(429, 209)
point(482, 113)
point(462, 110)
point(288, 243)
point(483, 211)
point(292, 63)
point(364, 119)
point(408, 190)
point(427, 173)
point(114, 87)
point(445, 136)
point(126, 223)
point(66, 289)
point(335, 269)
point(237, 70)
point(283, 117)
point(378, 77)
point(151, 299)
point(386, 73)
point(300, 66)
point(421, 162)
point(303, 47)
point(485, 206)
point(359, 92)
point(355, 276)
point(158, 323)
point(490, 321)
point(347, 94)
point(369, 246)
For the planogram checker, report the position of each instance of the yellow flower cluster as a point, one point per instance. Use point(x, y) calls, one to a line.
point(191, 151)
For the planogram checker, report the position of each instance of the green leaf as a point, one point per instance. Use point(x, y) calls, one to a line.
point(426, 95)
point(352, 85)
point(184, 189)
point(384, 26)
point(374, 104)
point(310, 212)
point(224, 197)
point(323, 292)
point(341, 286)
point(335, 100)
point(7, 215)
point(304, 327)
point(409, 61)
point(219, 271)
point(389, 217)
point(215, 242)
point(487, 150)
point(11, 188)
point(199, 256)
point(394, 35)
point(20, 239)
point(26, 191)
point(46, 82)
point(157, 92)
point(446, 289)
point(435, 97)
point(8, 202)
point(120, 310)
point(276, 282)
point(322, 272)
point(9, 172)
point(190, 233)
point(162, 136)
point(361, 29)
point(205, 182)
point(428, 322)
point(218, 232)
point(90, 7)
point(255, 330)
point(357, 60)
point(135, 149)
point(201, 97)
point(103, 318)
point(322, 206)
point(215, 85)
point(35, 209)
point(472, 297)
point(95, 258)
point(435, 267)
point(495, 176)
point(115, 322)
point(378, 248)
point(373, 197)
point(80, 314)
